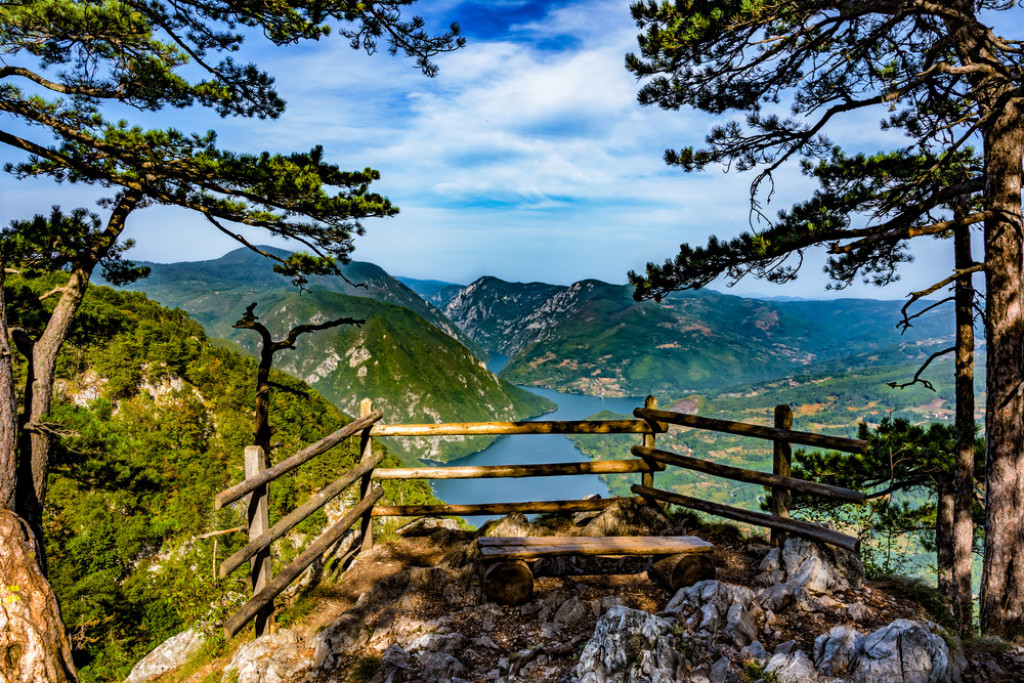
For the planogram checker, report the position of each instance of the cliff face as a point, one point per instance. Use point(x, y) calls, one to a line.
point(412, 610)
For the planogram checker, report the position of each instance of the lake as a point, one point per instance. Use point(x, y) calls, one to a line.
point(534, 449)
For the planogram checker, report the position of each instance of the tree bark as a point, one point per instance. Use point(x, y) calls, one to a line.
point(34, 442)
point(1002, 591)
point(8, 411)
point(963, 474)
point(33, 644)
point(944, 535)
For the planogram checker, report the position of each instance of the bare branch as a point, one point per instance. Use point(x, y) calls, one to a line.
point(917, 375)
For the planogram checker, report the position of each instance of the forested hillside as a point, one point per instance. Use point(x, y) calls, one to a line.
point(593, 338)
point(153, 420)
point(400, 357)
point(206, 289)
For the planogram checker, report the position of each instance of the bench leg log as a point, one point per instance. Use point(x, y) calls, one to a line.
point(681, 571)
point(508, 582)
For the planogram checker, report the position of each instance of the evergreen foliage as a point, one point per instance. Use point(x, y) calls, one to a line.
point(66, 60)
point(154, 421)
point(945, 80)
point(906, 472)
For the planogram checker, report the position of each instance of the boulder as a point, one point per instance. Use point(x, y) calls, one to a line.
point(169, 655)
point(427, 526)
point(630, 646)
point(811, 566)
point(793, 666)
point(515, 525)
point(396, 666)
point(904, 651)
point(571, 612)
point(628, 517)
point(835, 650)
point(714, 606)
point(273, 658)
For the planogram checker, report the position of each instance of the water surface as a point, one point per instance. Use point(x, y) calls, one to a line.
point(528, 449)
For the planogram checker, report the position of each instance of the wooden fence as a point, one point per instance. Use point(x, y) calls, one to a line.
point(648, 422)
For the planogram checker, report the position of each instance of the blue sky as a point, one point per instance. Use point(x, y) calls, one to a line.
point(527, 157)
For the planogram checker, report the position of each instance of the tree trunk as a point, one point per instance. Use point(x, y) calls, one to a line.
point(1002, 591)
point(35, 453)
point(34, 442)
point(944, 535)
point(263, 431)
point(33, 644)
point(963, 474)
point(8, 411)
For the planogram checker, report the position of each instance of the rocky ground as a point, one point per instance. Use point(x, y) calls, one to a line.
point(412, 609)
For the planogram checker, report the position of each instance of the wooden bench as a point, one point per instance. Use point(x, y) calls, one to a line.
point(508, 579)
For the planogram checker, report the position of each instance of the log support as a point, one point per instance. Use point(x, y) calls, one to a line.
point(259, 524)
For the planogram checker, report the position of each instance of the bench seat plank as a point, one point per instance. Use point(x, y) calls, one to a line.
point(537, 546)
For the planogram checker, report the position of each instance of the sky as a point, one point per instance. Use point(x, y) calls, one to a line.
point(527, 157)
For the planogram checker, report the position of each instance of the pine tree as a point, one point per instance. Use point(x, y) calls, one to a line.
point(64, 61)
point(945, 80)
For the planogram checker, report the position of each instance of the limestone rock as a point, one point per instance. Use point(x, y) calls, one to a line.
point(792, 667)
point(811, 566)
point(716, 606)
point(273, 658)
point(169, 655)
point(427, 526)
point(904, 651)
point(396, 666)
point(628, 517)
point(754, 652)
point(629, 646)
point(571, 612)
point(515, 525)
point(834, 651)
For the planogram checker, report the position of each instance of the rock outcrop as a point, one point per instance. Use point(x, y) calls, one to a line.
point(169, 655)
point(631, 646)
point(799, 613)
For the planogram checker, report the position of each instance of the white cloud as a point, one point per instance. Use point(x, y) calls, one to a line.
point(524, 158)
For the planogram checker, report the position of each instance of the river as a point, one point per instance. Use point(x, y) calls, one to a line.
point(533, 449)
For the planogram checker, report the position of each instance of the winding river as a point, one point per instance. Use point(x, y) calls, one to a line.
point(533, 449)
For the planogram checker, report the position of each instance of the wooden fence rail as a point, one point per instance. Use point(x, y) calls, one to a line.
point(648, 423)
point(796, 526)
point(503, 428)
point(752, 476)
point(838, 443)
point(257, 476)
point(537, 507)
point(230, 495)
point(292, 519)
point(334, 535)
point(541, 470)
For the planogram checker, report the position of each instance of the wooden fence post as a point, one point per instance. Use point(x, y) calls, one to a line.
point(366, 448)
point(647, 479)
point(782, 465)
point(259, 524)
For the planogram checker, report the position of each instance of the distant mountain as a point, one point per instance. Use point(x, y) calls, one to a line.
point(412, 370)
point(434, 292)
point(493, 312)
point(196, 286)
point(591, 337)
